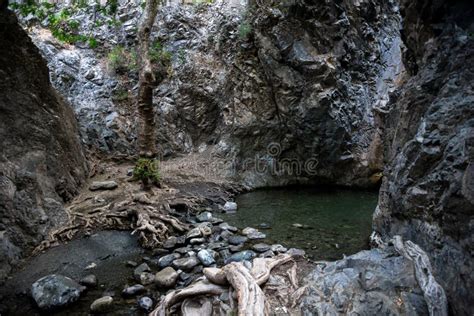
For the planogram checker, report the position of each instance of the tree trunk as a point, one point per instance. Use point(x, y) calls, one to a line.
point(146, 82)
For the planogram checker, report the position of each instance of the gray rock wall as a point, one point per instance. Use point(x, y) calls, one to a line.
point(253, 86)
point(41, 160)
point(427, 194)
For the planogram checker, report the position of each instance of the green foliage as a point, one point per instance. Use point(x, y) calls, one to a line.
point(147, 170)
point(245, 29)
point(65, 28)
point(159, 55)
point(120, 94)
point(120, 60)
point(92, 42)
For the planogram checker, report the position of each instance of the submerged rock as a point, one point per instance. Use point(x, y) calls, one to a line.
point(54, 291)
point(102, 305)
point(140, 269)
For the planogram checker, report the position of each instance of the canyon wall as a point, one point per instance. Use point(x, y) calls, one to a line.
point(427, 195)
point(41, 160)
point(251, 86)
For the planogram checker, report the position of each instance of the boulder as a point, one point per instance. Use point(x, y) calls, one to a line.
point(54, 291)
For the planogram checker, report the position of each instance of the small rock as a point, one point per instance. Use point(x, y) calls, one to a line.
point(166, 261)
point(264, 226)
point(236, 248)
point(102, 305)
point(237, 240)
point(186, 264)
point(132, 264)
point(230, 207)
point(160, 252)
point(197, 241)
point(145, 303)
point(103, 185)
point(267, 254)
point(206, 257)
point(91, 266)
point(216, 245)
point(133, 290)
point(166, 278)
point(89, 280)
point(296, 252)
point(140, 269)
point(204, 217)
point(53, 291)
point(194, 233)
point(170, 243)
point(241, 256)
point(147, 278)
point(297, 225)
point(261, 247)
point(225, 254)
point(182, 250)
point(278, 248)
point(252, 233)
point(226, 226)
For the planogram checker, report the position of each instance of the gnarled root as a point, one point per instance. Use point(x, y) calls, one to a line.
point(246, 283)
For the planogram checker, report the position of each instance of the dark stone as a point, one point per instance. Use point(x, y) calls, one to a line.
point(133, 290)
point(241, 256)
point(89, 280)
point(186, 264)
point(54, 291)
point(237, 240)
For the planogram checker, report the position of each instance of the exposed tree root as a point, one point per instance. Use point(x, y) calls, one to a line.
point(246, 284)
point(151, 223)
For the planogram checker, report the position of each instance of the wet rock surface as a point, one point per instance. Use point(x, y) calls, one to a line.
point(42, 164)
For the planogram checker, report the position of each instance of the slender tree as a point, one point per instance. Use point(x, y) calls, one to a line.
point(146, 82)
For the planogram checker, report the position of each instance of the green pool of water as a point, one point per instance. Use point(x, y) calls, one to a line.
point(334, 222)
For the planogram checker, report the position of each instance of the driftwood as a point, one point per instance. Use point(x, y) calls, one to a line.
point(244, 282)
point(200, 306)
point(251, 300)
point(434, 294)
point(202, 287)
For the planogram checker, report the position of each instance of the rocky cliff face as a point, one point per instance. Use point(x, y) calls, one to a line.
point(41, 161)
point(428, 193)
point(256, 86)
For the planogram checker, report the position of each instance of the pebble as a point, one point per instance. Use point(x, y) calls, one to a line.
point(147, 278)
point(133, 290)
point(264, 226)
point(170, 243)
point(296, 252)
point(206, 257)
point(256, 235)
point(197, 241)
point(132, 264)
point(234, 248)
point(194, 233)
point(103, 185)
point(166, 261)
point(204, 217)
point(226, 226)
point(182, 250)
point(102, 305)
point(230, 207)
point(89, 280)
point(267, 254)
point(241, 256)
point(166, 278)
point(140, 269)
point(145, 303)
point(261, 247)
point(237, 240)
point(278, 248)
point(186, 264)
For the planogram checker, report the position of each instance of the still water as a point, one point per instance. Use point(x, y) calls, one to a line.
point(325, 223)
